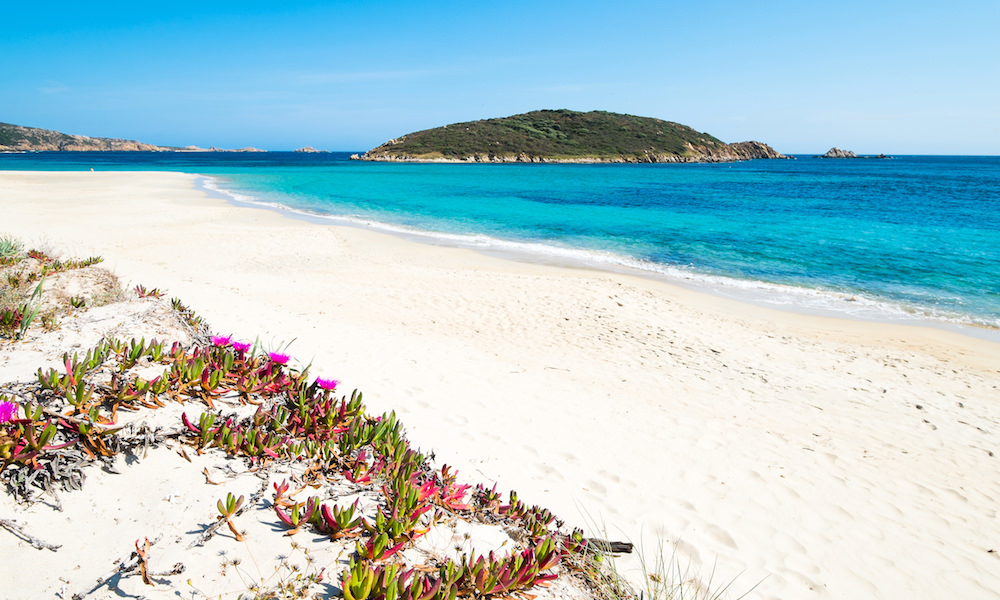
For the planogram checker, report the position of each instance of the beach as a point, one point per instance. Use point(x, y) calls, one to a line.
point(798, 456)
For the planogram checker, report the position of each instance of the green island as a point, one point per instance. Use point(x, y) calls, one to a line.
point(566, 136)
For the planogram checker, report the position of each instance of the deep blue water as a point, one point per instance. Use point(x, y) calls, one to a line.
point(911, 237)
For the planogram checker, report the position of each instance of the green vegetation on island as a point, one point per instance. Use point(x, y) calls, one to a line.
point(566, 136)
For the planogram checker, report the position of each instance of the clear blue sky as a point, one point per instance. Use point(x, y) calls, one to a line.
point(897, 77)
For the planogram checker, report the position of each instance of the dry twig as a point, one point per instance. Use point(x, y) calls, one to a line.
point(19, 531)
point(208, 533)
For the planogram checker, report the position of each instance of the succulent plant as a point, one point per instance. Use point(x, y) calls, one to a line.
point(228, 510)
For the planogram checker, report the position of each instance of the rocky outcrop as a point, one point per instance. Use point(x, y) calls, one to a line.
point(752, 150)
point(838, 153)
point(247, 149)
point(214, 149)
point(310, 150)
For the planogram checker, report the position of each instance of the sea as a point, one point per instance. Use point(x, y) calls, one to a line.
point(912, 239)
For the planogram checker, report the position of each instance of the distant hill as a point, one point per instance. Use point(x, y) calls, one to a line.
point(566, 136)
point(18, 138)
point(15, 138)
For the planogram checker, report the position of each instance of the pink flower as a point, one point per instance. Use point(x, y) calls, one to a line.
point(7, 411)
point(327, 384)
point(241, 346)
point(221, 341)
point(278, 358)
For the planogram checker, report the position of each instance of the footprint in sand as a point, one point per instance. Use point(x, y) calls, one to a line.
point(721, 535)
point(689, 552)
point(567, 457)
point(545, 469)
point(612, 477)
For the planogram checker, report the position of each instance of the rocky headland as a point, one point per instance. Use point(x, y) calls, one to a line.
point(17, 138)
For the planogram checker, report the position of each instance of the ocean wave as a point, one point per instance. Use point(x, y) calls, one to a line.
point(807, 300)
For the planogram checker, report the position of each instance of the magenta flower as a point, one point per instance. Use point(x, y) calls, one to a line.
point(221, 341)
point(241, 346)
point(7, 411)
point(327, 384)
point(278, 358)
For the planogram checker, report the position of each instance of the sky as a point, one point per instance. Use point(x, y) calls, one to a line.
point(897, 77)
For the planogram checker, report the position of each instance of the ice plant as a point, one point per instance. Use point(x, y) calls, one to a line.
point(278, 358)
point(298, 514)
point(221, 340)
point(142, 292)
point(339, 522)
point(228, 510)
point(327, 384)
point(378, 547)
point(298, 419)
point(8, 410)
point(280, 491)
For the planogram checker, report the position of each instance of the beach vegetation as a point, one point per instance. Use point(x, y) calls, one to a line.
point(53, 429)
point(39, 255)
point(186, 313)
point(15, 320)
point(21, 285)
point(290, 579)
point(68, 419)
point(296, 419)
point(228, 509)
point(49, 320)
point(667, 578)
point(142, 292)
point(10, 247)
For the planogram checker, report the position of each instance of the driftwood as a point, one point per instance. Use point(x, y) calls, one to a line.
point(133, 562)
point(609, 546)
point(19, 531)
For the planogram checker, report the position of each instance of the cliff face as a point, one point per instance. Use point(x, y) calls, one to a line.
point(566, 136)
point(15, 138)
point(751, 150)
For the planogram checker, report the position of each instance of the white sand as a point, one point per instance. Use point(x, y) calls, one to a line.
point(822, 458)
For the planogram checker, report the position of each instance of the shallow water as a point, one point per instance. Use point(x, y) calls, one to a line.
point(914, 237)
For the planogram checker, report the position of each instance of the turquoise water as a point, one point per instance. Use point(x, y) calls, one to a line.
point(907, 238)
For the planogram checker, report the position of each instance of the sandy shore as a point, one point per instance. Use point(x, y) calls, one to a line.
point(820, 458)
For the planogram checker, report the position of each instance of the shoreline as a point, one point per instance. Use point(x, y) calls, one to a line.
point(781, 297)
point(825, 458)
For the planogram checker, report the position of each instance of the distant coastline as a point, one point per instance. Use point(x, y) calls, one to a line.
point(17, 138)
